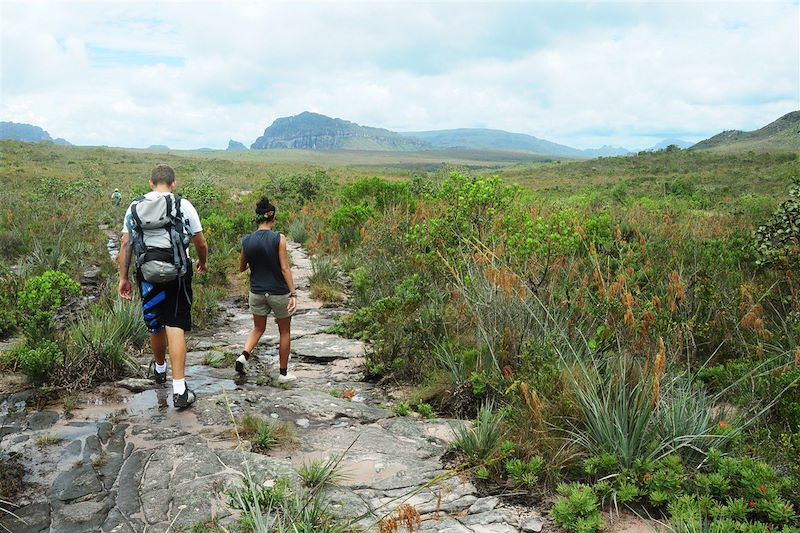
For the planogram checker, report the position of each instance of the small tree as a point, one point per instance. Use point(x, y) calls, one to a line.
point(778, 241)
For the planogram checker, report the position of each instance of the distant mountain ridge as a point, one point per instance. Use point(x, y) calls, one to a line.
point(312, 131)
point(781, 134)
point(489, 139)
point(669, 142)
point(28, 133)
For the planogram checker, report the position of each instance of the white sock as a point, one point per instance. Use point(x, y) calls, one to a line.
point(161, 368)
point(178, 386)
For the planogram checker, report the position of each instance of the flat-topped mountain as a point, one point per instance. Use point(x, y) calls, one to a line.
point(782, 134)
point(27, 133)
point(312, 131)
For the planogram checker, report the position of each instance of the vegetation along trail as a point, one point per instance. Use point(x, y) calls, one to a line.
point(125, 461)
point(563, 346)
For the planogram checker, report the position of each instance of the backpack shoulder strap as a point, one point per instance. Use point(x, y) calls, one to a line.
point(133, 211)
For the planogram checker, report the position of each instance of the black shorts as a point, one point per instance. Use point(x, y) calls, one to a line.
point(167, 304)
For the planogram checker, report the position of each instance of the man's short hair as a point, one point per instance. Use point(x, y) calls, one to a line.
point(163, 174)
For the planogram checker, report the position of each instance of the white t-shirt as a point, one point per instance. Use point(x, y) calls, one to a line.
point(191, 220)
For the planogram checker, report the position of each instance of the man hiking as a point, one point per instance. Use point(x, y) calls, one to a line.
point(156, 232)
point(116, 198)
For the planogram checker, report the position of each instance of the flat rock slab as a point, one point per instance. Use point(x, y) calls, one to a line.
point(327, 347)
point(317, 405)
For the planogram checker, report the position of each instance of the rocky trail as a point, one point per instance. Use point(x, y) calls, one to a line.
point(126, 461)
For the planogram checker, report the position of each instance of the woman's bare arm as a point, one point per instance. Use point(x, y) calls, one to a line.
point(284, 260)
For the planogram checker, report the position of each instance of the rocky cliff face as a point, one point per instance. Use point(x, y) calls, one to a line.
point(235, 146)
point(23, 132)
point(312, 131)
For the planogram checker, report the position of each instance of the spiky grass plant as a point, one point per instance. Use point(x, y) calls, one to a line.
point(320, 473)
point(297, 231)
point(324, 280)
point(265, 435)
point(479, 441)
point(99, 342)
point(47, 439)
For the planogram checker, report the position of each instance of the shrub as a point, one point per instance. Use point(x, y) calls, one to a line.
point(777, 241)
point(375, 192)
point(787, 405)
point(8, 320)
point(524, 473)
point(39, 300)
point(37, 362)
point(578, 509)
point(425, 410)
point(201, 190)
point(347, 220)
point(298, 189)
point(402, 409)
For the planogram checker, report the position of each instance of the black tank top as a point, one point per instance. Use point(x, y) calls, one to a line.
point(261, 251)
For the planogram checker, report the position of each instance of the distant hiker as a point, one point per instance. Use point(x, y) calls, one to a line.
point(156, 231)
point(271, 287)
point(116, 198)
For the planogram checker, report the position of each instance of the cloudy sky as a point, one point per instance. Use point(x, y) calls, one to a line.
point(195, 74)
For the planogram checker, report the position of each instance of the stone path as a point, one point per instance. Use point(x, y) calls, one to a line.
point(128, 462)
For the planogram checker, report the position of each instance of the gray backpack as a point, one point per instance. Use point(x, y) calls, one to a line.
point(159, 241)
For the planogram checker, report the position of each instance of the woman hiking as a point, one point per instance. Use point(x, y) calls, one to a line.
point(271, 286)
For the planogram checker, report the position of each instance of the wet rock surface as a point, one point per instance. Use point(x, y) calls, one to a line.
point(128, 462)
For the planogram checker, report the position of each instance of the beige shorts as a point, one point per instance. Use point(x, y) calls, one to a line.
point(262, 304)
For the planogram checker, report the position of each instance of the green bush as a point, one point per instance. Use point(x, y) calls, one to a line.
point(524, 473)
point(39, 300)
point(347, 220)
point(37, 362)
point(298, 189)
point(201, 190)
point(787, 406)
point(8, 319)
point(777, 241)
point(578, 509)
point(375, 192)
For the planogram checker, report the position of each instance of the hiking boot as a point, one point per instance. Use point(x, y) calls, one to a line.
point(182, 401)
point(241, 362)
point(288, 378)
point(158, 377)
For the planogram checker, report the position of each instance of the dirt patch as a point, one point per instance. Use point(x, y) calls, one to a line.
point(11, 475)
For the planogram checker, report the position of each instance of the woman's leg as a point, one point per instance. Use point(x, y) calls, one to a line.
point(259, 325)
point(284, 326)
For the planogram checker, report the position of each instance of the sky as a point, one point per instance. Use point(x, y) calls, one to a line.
point(585, 74)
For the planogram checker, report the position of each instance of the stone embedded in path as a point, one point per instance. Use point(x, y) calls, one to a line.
point(319, 405)
point(484, 505)
point(532, 524)
point(136, 384)
point(42, 420)
point(34, 518)
point(327, 347)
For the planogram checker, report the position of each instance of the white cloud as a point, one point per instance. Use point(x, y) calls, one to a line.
point(622, 74)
